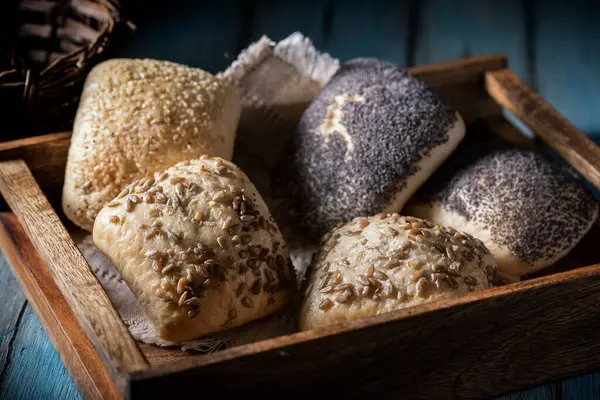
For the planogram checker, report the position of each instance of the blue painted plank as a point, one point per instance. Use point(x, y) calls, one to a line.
point(35, 370)
point(581, 387)
point(201, 34)
point(279, 19)
point(370, 29)
point(545, 392)
point(568, 59)
point(13, 304)
point(449, 30)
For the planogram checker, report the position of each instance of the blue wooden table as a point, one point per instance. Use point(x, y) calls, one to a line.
point(553, 45)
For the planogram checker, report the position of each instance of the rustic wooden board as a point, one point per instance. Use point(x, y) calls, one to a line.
point(557, 132)
point(265, 17)
point(193, 33)
point(567, 59)
point(582, 255)
point(488, 342)
point(45, 155)
point(52, 309)
point(370, 29)
point(465, 28)
point(70, 271)
point(32, 374)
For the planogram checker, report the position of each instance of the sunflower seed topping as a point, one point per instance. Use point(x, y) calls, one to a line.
point(379, 275)
point(247, 302)
point(370, 270)
point(222, 241)
point(452, 282)
point(240, 289)
point(181, 284)
point(175, 180)
point(469, 280)
point(325, 304)
point(247, 218)
point(343, 297)
point(421, 286)
point(256, 286)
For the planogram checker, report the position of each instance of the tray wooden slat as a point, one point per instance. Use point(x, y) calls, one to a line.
point(555, 130)
point(486, 343)
point(69, 269)
point(69, 339)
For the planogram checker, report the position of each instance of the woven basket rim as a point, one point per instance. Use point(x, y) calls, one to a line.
point(23, 73)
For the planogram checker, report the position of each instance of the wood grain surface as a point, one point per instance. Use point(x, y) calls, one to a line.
point(45, 156)
point(553, 46)
point(556, 131)
point(52, 309)
point(485, 343)
point(168, 361)
point(69, 269)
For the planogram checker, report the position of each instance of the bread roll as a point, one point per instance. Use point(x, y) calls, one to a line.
point(371, 137)
point(379, 264)
point(528, 211)
point(198, 248)
point(140, 116)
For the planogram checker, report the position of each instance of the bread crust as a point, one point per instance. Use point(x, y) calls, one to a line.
point(384, 263)
point(198, 248)
point(136, 117)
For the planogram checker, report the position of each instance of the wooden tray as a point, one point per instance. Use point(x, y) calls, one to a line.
point(486, 343)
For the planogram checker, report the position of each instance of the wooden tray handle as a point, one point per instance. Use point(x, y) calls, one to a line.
point(69, 268)
point(572, 144)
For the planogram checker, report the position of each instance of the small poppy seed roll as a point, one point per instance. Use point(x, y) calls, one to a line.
point(529, 211)
point(371, 137)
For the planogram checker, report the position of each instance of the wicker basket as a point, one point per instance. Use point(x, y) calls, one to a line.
point(48, 47)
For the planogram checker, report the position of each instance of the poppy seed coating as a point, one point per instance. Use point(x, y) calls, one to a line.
point(530, 205)
point(370, 130)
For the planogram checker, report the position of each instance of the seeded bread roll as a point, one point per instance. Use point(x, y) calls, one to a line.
point(384, 263)
point(198, 247)
point(528, 211)
point(140, 116)
point(372, 136)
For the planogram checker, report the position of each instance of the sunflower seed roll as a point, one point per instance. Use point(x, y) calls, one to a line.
point(198, 248)
point(384, 263)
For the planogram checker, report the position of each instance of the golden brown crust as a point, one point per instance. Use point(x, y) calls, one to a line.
point(379, 264)
point(140, 116)
point(198, 247)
